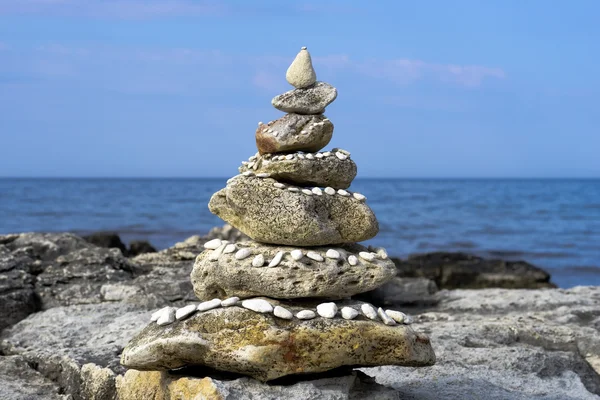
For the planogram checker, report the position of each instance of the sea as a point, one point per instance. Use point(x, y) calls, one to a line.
point(553, 224)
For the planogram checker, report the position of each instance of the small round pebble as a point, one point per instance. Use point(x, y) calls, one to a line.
point(366, 256)
point(331, 253)
point(186, 311)
point(263, 175)
point(352, 260)
point(157, 314)
point(279, 185)
point(359, 196)
point(289, 157)
point(213, 244)
point(342, 192)
point(369, 311)
point(277, 259)
point(314, 256)
point(307, 192)
point(297, 254)
point(230, 248)
point(209, 305)
point(293, 189)
point(258, 305)
point(397, 316)
point(341, 156)
point(327, 310)
point(330, 190)
point(243, 253)
point(317, 191)
point(282, 313)
point(306, 314)
point(385, 318)
point(166, 317)
point(349, 313)
point(310, 156)
point(258, 261)
point(231, 301)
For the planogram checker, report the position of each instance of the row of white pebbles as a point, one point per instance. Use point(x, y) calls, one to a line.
point(221, 247)
point(309, 192)
point(307, 129)
point(256, 160)
point(168, 315)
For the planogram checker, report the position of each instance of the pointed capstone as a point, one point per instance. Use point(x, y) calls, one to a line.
point(301, 73)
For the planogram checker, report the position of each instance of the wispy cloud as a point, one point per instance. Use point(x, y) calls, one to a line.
point(406, 71)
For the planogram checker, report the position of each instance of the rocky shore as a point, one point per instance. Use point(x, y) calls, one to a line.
point(69, 307)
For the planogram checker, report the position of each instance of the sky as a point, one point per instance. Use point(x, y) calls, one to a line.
point(175, 88)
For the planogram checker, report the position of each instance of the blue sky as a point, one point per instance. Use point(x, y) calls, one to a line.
point(176, 88)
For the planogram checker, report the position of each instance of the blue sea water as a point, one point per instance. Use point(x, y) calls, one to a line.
point(554, 224)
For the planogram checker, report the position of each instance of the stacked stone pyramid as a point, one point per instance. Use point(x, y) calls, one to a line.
point(280, 304)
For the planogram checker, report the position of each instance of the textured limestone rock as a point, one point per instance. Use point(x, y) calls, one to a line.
point(238, 340)
point(301, 73)
point(294, 132)
point(310, 100)
point(272, 215)
point(136, 385)
point(327, 171)
point(19, 381)
point(333, 278)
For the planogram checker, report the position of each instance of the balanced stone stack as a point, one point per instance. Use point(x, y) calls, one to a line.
point(280, 304)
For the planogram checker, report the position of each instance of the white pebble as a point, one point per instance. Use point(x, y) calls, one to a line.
point(213, 244)
point(397, 316)
point(349, 313)
point(243, 253)
point(301, 156)
point(280, 158)
point(289, 157)
point(359, 196)
point(270, 131)
point(209, 305)
point(277, 259)
point(303, 132)
point(263, 175)
point(310, 156)
point(306, 314)
point(296, 254)
point(327, 310)
point(369, 311)
point(248, 173)
point(258, 305)
point(330, 190)
point(230, 248)
point(307, 192)
point(341, 156)
point(166, 317)
point(250, 165)
point(319, 155)
point(352, 260)
point(408, 320)
point(214, 256)
point(385, 318)
point(314, 256)
point(327, 154)
point(260, 123)
point(258, 261)
point(183, 312)
point(342, 192)
point(331, 253)
point(381, 253)
point(317, 191)
point(232, 301)
point(293, 189)
point(282, 313)
point(157, 314)
point(366, 256)
point(279, 185)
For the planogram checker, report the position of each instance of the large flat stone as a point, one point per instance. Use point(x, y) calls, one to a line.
point(264, 347)
point(272, 215)
point(327, 170)
point(294, 132)
point(334, 278)
point(310, 100)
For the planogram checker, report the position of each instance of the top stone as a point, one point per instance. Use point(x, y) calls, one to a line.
point(301, 73)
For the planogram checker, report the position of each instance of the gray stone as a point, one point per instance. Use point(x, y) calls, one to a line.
point(291, 278)
point(323, 172)
point(310, 100)
point(266, 347)
point(19, 381)
point(271, 215)
point(403, 291)
point(294, 132)
point(301, 73)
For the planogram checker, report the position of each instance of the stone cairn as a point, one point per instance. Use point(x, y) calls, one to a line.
point(280, 304)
